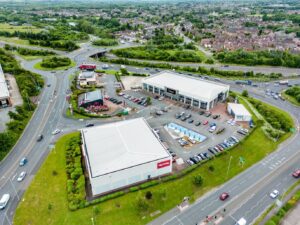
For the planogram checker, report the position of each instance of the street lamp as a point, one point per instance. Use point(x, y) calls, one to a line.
point(92, 221)
point(12, 184)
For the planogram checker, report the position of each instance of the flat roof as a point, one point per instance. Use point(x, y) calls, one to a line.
point(239, 109)
point(4, 93)
point(188, 86)
point(120, 145)
point(92, 96)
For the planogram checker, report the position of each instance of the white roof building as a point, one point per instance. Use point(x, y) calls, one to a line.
point(239, 112)
point(123, 153)
point(4, 93)
point(190, 90)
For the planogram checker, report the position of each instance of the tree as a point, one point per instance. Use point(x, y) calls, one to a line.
point(245, 93)
point(198, 180)
point(149, 100)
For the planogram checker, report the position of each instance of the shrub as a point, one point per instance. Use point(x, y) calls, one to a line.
point(148, 195)
point(149, 184)
point(198, 180)
point(133, 189)
point(142, 205)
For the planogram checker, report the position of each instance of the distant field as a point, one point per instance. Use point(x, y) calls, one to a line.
point(14, 40)
point(11, 28)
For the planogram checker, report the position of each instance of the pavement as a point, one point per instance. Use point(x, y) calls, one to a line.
point(249, 190)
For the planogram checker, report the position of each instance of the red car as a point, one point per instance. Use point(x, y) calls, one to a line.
point(224, 196)
point(296, 173)
point(205, 122)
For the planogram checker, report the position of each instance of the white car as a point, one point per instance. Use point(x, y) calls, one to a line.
point(57, 131)
point(274, 194)
point(21, 176)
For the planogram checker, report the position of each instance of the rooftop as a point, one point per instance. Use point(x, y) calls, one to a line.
point(4, 93)
point(239, 109)
point(115, 146)
point(188, 86)
point(92, 96)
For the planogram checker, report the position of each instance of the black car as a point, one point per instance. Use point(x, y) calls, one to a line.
point(201, 112)
point(216, 116)
point(89, 125)
point(40, 137)
point(211, 151)
point(208, 114)
point(177, 116)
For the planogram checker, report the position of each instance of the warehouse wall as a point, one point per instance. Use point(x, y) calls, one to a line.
point(126, 177)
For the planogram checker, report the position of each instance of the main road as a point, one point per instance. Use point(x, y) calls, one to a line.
point(49, 115)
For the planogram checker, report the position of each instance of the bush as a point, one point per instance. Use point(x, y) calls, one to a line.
point(149, 184)
point(245, 93)
point(142, 205)
point(133, 189)
point(198, 180)
point(148, 195)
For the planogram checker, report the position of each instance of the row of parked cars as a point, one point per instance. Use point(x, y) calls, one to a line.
point(140, 101)
point(187, 117)
point(227, 143)
point(114, 100)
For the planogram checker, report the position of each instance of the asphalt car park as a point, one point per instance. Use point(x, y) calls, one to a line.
point(198, 123)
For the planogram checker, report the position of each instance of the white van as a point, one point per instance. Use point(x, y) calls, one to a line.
point(4, 200)
point(241, 221)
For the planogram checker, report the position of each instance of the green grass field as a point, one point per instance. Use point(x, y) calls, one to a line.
point(45, 200)
point(39, 67)
point(12, 28)
point(14, 40)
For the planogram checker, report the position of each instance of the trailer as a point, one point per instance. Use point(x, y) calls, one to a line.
point(284, 82)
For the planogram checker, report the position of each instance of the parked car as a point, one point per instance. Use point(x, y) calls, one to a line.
point(208, 114)
point(89, 125)
point(23, 161)
point(274, 194)
point(201, 112)
point(21, 176)
point(190, 162)
point(159, 112)
point(224, 196)
point(4, 200)
point(190, 121)
point(205, 122)
point(216, 116)
point(177, 115)
point(296, 173)
point(188, 116)
point(212, 129)
point(198, 123)
point(220, 130)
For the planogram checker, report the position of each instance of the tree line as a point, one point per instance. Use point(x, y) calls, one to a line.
point(265, 57)
point(29, 85)
point(27, 51)
point(200, 70)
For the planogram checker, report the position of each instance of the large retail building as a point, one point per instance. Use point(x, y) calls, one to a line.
point(122, 154)
point(4, 92)
point(192, 91)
